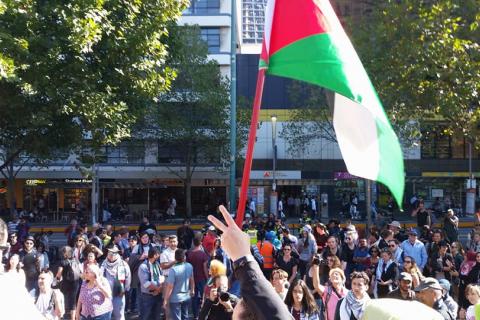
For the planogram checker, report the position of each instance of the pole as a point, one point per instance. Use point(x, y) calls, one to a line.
point(233, 106)
point(94, 194)
point(470, 174)
point(274, 147)
point(247, 167)
point(368, 199)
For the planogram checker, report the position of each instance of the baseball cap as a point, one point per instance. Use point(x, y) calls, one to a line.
point(413, 232)
point(307, 228)
point(406, 276)
point(211, 228)
point(428, 283)
point(395, 224)
point(29, 238)
point(444, 284)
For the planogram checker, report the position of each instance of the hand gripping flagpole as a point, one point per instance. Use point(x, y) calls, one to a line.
point(247, 167)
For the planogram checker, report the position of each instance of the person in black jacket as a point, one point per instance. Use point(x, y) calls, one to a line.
point(259, 297)
point(386, 274)
point(219, 305)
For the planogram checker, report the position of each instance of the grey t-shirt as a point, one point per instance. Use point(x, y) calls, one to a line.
point(179, 275)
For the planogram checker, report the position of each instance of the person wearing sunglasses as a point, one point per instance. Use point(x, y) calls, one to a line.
point(287, 262)
point(393, 246)
point(410, 266)
point(29, 259)
point(386, 274)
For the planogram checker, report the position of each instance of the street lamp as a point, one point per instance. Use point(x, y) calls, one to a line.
point(274, 147)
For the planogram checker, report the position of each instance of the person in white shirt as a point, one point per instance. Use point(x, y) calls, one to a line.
point(167, 258)
point(49, 301)
point(252, 207)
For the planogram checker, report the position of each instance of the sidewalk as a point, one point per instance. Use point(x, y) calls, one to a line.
point(197, 223)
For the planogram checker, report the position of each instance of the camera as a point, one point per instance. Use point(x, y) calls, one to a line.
point(223, 296)
point(318, 260)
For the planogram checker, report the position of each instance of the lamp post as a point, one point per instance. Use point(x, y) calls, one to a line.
point(233, 106)
point(273, 197)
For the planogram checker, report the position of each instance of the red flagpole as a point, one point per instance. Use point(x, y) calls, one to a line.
point(247, 167)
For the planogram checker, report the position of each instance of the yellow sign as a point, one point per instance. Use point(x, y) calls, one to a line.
point(35, 182)
point(447, 174)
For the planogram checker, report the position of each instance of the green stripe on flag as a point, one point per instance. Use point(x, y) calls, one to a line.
point(391, 171)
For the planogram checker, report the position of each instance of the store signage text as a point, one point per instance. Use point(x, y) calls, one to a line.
point(77, 180)
point(35, 182)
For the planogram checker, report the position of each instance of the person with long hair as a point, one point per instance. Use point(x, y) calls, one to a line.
point(410, 266)
point(458, 254)
point(300, 302)
point(465, 268)
point(14, 268)
point(43, 261)
point(472, 292)
point(332, 262)
point(68, 285)
point(307, 247)
point(79, 248)
point(95, 299)
point(215, 269)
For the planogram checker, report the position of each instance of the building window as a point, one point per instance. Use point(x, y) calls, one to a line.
point(253, 19)
point(436, 144)
point(212, 37)
point(131, 152)
point(203, 7)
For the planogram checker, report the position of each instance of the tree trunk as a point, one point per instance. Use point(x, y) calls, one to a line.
point(188, 197)
point(188, 187)
point(12, 202)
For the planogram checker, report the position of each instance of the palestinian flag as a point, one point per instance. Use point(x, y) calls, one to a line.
point(304, 40)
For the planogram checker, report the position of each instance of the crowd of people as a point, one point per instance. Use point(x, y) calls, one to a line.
point(324, 272)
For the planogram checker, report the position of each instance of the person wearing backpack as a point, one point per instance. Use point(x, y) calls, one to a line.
point(69, 275)
point(47, 300)
point(117, 273)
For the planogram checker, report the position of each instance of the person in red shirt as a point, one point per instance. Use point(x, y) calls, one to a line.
point(208, 242)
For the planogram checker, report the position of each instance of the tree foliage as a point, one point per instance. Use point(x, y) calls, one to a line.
point(424, 60)
point(77, 71)
point(192, 119)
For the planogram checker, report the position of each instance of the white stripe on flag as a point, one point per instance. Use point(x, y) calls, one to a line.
point(357, 137)
point(268, 23)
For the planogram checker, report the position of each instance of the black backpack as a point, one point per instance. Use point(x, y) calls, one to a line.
point(72, 270)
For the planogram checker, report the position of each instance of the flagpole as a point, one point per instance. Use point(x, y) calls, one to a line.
point(247, 167)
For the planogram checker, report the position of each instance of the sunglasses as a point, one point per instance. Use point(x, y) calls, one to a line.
point(29, 243)
point(391, 245)
point(287, 249)
point(407, 261)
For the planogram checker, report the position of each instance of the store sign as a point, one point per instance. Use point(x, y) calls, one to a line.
point(437, 193)
point(35, 182)
point(78, 180)
point(280, 174)
point(343, 175)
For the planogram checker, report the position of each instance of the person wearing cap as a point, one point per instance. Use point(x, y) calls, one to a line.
point(398, 233)
point(404, 290)
point(450, 225)
point(430, 293)
point(447, 298)
point(117, 273)
point(29, 258)
point(208, 241)
point(414, 248)
point(306, 248)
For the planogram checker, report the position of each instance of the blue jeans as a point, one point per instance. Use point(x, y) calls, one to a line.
point(197, 299)
point(118, 312)
point(179, 310)
point(150, 306)
point(105, 316)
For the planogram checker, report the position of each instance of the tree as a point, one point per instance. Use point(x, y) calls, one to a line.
point(427, 66)
point(77, 72)
point(424, 60)
point(191, 120)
